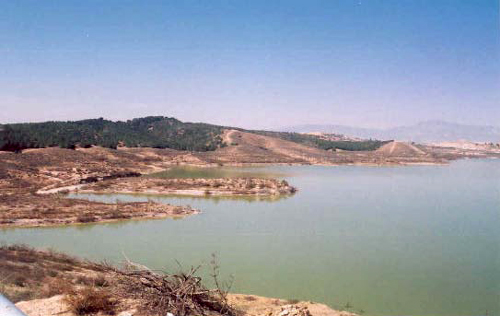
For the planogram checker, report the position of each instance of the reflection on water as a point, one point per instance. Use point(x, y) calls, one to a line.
point(217, 172)
point(166, 198)
point(420, 240)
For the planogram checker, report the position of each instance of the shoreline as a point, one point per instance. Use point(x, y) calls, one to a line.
point(31, 183)
point(237, 186)
point(22, 224)
point(42, 282)
point(52, 210)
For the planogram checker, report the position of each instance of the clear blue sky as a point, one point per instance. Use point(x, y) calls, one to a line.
point(252, 63)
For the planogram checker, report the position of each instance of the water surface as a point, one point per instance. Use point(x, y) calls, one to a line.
point(420, 240)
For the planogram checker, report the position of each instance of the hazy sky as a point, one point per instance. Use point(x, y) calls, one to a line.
point(252, 63)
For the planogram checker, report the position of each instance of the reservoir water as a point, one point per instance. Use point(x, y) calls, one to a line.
point(414, 240)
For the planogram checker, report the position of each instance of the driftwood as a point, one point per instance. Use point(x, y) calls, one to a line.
point(180, 294)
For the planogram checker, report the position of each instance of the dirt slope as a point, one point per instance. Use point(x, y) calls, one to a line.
point(400, 149)
point(38, 282)
point(252, 148)
point(248, 305)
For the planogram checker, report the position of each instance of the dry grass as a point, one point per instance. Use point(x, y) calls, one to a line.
point(181, 294)
point(43, 210)
point(91, 300)
point(90, 288)
point(229, 186)
point(26, 273)
point(86, 218)
point(55, 286)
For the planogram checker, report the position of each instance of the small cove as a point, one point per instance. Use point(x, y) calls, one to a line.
point(414, 240)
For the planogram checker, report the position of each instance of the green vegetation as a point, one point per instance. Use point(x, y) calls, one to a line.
point(153, 131)
point(318, 142)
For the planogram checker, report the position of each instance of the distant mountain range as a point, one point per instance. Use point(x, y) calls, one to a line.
point(426, 132)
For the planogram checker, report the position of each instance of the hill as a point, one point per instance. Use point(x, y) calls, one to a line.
point(321, 142)
point(152, 131)
point(400, 149)
point(427, 132)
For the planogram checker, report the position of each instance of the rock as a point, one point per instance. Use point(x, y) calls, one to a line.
point(284, 312)
point(45, 306)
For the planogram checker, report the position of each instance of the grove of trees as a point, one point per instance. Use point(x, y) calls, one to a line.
point(153, 131)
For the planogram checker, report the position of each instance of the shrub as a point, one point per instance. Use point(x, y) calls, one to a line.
point(20, 280)
point(55, 286)
point(90, 301)
point(115, 214)
point(100, 281)
point(216, 184)
point(249, 184)
point(86, 218)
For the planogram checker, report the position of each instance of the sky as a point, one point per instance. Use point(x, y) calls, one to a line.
point(253, 64)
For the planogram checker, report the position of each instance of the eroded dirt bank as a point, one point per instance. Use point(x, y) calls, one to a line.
point(25, 176)
point(32, 185)
point(50, 283)
point(222, 186)
point(29, 210)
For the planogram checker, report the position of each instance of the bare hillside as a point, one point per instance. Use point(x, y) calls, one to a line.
point(252, 148)
point(400, 149)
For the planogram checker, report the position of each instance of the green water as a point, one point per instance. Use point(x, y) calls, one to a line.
point(217, 172)
point(420, 240)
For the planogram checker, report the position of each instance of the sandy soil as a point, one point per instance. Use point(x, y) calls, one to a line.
point(248, 305)
point(38, 281)
point(399, 149)
point(29, 210)
point(222, 186)
point(247, 148)
point(30, 182)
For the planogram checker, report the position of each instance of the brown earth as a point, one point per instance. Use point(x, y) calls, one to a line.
point(247, 148)
point(400, 149)
point(252, 148)
point(31, 183)
point(223, 186)
point(29, 210)
point(53, 170)
point(247, 305)
point(23, 175)
point(47, 283)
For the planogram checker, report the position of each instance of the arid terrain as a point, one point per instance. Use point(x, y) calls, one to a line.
point(49, 283)
point(248, 148)
point(33, 182)
point(223, 186)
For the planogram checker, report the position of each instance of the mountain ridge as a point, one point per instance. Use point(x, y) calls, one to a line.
point(426, 131)
point(150, 131)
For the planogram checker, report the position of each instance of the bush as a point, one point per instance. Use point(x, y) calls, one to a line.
point(116, 214)
point(86, 218)
point(55, 286)
point(100, 281)
point(90, 301)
